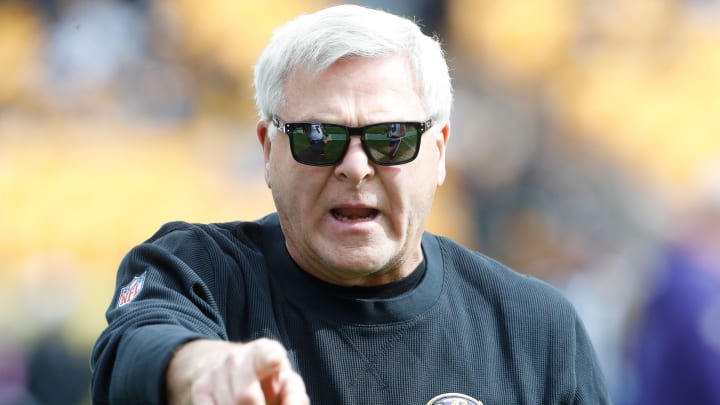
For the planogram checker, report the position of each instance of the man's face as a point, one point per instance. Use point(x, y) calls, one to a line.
point(355, 223)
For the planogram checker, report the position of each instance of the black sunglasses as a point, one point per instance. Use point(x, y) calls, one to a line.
point(386, 144)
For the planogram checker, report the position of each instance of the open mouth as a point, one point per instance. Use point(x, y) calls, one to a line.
point(354, 214)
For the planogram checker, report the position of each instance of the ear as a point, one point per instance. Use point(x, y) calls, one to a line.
point(441, 141)
point(264, 138)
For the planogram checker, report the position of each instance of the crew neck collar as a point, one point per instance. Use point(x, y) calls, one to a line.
point(330, 303)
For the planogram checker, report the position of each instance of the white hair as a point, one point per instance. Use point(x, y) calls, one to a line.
point(317, 41)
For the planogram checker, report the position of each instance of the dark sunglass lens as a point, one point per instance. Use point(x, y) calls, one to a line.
point(318, 144)
point(392, 143)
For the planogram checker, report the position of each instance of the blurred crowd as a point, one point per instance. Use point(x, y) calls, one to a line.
point(585, 151)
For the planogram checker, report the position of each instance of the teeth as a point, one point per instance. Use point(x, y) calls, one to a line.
point(351, 219)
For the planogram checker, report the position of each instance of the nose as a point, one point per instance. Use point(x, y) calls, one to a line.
point(355, 166)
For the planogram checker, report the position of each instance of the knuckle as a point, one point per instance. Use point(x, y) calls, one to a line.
point(235, 358)
point(247, 397)
point(216, 374)
point(265, 343)
point(199, 388)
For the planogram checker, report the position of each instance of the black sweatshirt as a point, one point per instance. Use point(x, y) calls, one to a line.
point(465, 325)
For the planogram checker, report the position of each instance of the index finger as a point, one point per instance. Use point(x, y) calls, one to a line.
point(267, 357)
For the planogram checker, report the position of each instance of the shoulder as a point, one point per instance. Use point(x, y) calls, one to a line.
point(180, 234)
point(503, 287)
point(201, 244)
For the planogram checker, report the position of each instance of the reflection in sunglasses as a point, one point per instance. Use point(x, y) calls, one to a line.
point(320, 144)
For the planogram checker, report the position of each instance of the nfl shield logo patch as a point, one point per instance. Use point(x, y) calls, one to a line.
point(131, 290)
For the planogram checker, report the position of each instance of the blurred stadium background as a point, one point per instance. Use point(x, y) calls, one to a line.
point(585, 147)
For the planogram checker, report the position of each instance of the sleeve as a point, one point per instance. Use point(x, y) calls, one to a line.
point(165, 296)
point(589, 379)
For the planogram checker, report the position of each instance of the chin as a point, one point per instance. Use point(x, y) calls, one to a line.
point(367, 265)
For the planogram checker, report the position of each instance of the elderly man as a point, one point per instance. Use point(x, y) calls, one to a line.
point(341, 297)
